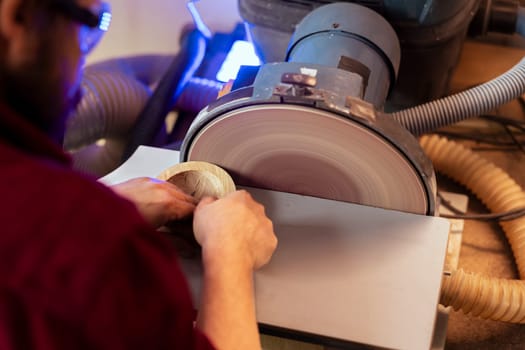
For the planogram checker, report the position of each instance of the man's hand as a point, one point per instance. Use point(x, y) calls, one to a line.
point(158, 201)
point(236, 238)
point(236, 229)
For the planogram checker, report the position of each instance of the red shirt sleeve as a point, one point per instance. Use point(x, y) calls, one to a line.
point(88, 273)
point(141, 300)
point(79, 267)
point(136, 299)
point(131, 305)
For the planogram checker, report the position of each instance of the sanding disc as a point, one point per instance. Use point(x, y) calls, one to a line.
point(303, 150)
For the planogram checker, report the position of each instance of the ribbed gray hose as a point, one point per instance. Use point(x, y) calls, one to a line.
point(115, 92)
point(99, 160)
point(198, 93)
point(148, 69)
point(110, 105)
point(470, 103)
point(112, 101)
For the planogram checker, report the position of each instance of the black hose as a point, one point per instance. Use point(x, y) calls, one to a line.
point(152, 118)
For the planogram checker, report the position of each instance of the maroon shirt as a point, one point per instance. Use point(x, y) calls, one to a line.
point(79, 267)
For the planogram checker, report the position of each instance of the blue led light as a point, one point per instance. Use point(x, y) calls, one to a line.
point(242, 53)
point(105, 21)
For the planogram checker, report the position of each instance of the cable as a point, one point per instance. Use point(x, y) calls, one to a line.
point(197, 19)
point(488, 139)
point(458, 214)
point(514, 139)
point(511, 129)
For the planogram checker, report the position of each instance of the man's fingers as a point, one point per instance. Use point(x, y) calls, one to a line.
point(182, 210)
point(205, 201)
point(180, 194)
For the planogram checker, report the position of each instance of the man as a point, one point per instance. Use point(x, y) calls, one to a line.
point(81, 267)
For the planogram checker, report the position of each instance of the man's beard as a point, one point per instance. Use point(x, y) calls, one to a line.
point(36, 90)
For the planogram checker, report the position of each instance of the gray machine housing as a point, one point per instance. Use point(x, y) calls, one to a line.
point(431, 34)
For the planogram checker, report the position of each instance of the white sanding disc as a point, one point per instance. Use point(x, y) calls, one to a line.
point(308, 151)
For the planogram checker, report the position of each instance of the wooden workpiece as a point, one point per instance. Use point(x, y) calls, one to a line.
point(199, 179)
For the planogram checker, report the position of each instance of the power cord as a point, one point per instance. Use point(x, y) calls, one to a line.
point(510, 139)
point(458, 214)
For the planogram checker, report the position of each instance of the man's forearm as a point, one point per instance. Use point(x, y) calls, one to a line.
point(227, 310)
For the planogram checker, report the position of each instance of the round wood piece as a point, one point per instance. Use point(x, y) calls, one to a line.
point(199, 179)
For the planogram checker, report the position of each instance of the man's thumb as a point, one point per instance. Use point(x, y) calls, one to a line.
point(205, 201)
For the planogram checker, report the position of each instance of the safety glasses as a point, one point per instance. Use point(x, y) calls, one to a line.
point(95, 20)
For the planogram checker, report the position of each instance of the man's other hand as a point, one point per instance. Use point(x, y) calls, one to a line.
point(234, 229)
point(158, 201)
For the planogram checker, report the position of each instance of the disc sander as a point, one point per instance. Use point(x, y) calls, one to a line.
point(308, 151)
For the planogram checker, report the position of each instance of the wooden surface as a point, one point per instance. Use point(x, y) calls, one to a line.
point(485, 249)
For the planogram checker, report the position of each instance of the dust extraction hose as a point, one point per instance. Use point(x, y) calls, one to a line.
point(109, 107)
point(490, 298)
point(430, 116)
point(115, 92)
point(112, 101)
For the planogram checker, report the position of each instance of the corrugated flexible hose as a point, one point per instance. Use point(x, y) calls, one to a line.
point(486, 297)
point(430, 116)
point(115, 91)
